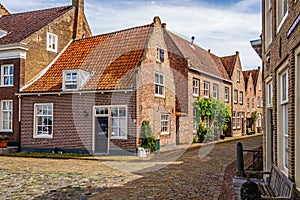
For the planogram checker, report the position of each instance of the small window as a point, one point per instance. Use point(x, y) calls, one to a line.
point(119, 122)
point(241, 97)
point(216, 91)
point(164, 124)
point(253, 104)
point(238, 77)
point(195, 87)
point(248, 104)
point(270, 94)
point(233, 120)
point(43, 120)
point(160, 54)
point(206, 89)
point(284, 87)
point(52, 41)
point(71, 80)
point(226, 94)
point(235, 96)
point(159, 82)
point(258, 102)
point(238, 120)
point(6, 115)
point(195, 120)
point(7, 75)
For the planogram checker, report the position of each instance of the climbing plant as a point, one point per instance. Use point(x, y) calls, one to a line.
point(148, 140)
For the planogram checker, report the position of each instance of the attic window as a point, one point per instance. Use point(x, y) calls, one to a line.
point(160, 54)
point(74, 79)
point(52, 41)
point(2, 33)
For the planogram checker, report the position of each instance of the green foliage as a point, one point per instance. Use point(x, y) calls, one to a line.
point(218, 113)
point(254, 115)
point(148, 141)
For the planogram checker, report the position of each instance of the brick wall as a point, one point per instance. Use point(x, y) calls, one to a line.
point(71, 128)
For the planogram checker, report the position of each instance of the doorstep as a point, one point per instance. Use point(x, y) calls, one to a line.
point(8, 150)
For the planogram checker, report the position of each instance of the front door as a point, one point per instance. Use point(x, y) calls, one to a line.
point(101, 135)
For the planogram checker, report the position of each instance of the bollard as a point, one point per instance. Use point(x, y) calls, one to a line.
point(240, 160)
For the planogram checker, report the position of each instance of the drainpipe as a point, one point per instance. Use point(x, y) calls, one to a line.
point(19, 122)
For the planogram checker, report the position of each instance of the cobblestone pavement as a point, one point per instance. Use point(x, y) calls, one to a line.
point(201, 172)
point(198, 174)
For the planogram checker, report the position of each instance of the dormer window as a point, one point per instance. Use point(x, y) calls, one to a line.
point(2, 33)
point(75, 79)
point(52, 41)
point(7, 75)
point(160, 54)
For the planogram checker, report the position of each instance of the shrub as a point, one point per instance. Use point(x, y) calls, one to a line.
point(148, 141)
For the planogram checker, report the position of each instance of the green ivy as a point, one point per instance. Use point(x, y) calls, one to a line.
point(148, 141)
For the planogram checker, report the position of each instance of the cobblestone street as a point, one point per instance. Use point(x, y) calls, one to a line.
point(200, 172)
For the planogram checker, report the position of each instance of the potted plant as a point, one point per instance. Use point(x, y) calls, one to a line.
point(3, 141)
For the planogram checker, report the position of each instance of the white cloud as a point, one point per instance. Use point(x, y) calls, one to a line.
point(224, 30)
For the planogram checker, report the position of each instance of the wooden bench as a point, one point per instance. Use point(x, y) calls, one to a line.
point(279, 186)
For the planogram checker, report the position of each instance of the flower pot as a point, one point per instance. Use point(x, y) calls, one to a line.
point(3, 143)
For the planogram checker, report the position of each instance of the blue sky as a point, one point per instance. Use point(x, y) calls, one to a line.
point(224, 26)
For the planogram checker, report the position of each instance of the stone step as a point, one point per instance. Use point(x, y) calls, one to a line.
point(8, 150)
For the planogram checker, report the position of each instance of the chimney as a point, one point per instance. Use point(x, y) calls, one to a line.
point(208, 50)
point(79, 15)
point(164, 25)
point(237, 53)
point(192, 41)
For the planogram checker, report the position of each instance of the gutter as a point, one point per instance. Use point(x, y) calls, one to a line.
point(214, 76)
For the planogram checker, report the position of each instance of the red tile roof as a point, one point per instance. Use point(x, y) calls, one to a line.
point(199, 58)
point(112, 57)
point(5, 11)
point(21, 25)
point(228, 62)
point(254, 74)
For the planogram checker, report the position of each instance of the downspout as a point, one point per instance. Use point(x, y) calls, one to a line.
point(20, 103)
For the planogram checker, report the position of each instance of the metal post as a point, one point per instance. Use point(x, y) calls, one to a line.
point(240, 160)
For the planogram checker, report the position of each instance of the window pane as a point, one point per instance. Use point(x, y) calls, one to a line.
point(115, 122)
point(114, 112)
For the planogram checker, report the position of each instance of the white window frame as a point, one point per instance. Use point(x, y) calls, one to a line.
point(72, 81)
point(286, 94)
point(196, 83)
point(248, 104)
point(241, 97)
point(238, 77)
point(206, 90)
point(238, 120)
point(161, 86)
point(112, 118)
point(10, 75)
point(281, 15)
point(35, 128)
point(52, 42)
point(233, 120)
point(165, 124)
point(226, 94)
point(195, 120)
point(9, 111)
point(216, 91)
point(160, 54)
point(258, 102)
point(235, 96)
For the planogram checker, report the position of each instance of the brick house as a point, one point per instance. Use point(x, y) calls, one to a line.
point(95, 96)
point(29, 42)
point(281, 63)
point(234, 69)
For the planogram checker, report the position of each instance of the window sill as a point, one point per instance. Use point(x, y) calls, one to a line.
point(159, 96)
point(206, 97)
point(6, 131)
point(52, 50)
point(164, 133)
point(4, 86)
point(195, 95)
point(43, 137)
point(118, 138)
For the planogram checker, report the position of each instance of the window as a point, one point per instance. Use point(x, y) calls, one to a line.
point(164, 124)
point(268, 23)
point(258, 102)
point(241, 97)
point(52, 42)
point(235, 96)
point(206, 122)
point(238, 120)
point(206, 89)
point(159, 82)
point(284, 119)
point(216, 91)
point(6, 115)
point(226, 94)
point(233, 120)
point(118, 122)
point(238, 76)
point(7, 75)
point(252, 103)
point(195, 120)
point(71, 80)
point(248, 104)
point(195, 87)
point(160, 55)
point(282, 11)
point(43, 120)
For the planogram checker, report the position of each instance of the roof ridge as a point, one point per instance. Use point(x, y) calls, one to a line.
point(114, 32)
point(32, 11)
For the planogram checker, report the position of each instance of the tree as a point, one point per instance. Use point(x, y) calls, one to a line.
point(148, 141)
point(220, 116)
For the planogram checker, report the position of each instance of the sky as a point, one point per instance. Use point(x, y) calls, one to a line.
point(223, 26)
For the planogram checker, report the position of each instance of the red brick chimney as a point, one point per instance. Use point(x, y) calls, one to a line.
point(79, 15)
